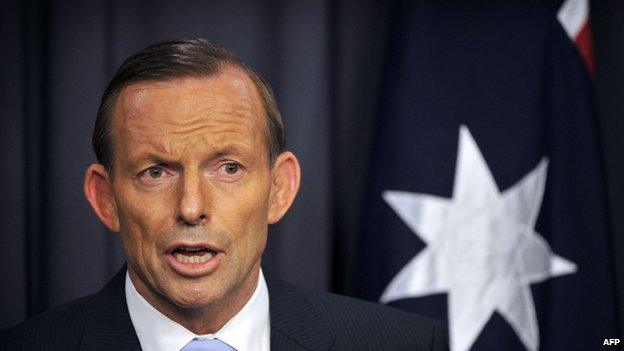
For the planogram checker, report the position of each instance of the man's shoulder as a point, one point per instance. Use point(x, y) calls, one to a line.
point(352, 309)
point(59, 328)
point(358, 324)
point(350, 316)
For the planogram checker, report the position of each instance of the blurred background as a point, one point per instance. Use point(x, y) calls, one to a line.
point(373, 94)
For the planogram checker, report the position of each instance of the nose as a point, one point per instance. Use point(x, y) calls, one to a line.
point(193, 207)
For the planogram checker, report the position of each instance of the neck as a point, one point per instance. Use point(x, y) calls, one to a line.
point(205, 319)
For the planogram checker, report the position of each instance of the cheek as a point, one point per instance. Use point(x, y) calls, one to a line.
point(248, 217)
point(143, 217)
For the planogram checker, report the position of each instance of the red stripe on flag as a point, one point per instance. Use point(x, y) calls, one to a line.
point(584, 43)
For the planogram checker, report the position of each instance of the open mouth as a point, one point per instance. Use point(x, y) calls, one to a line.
point(192, 255)
point(193, 260)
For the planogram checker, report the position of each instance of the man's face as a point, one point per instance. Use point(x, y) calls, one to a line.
point(192, 186)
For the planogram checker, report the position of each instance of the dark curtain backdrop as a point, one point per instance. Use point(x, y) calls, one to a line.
point(324, 60)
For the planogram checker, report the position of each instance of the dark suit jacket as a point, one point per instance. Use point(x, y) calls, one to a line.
point(300, 320)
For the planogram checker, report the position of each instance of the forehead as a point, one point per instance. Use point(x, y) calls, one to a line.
point(224, 105)
point(230, 88)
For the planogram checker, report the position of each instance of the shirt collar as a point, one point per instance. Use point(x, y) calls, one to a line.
point(248, 330)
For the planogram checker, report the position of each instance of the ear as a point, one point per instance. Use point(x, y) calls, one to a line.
point(286, 177)
point(98, 191)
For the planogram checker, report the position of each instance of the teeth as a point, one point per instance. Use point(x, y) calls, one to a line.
point(182, 258)
point(203, 258)
point(193, 259)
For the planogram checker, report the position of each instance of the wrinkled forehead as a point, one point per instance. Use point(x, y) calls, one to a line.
point(189, 120)
point(230, 88)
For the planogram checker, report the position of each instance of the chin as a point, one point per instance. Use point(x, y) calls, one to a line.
point(190, 296)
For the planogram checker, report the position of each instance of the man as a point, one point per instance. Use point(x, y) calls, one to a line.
point(192, 170)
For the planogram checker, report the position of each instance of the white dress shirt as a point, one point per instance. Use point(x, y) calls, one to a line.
point(248, 330)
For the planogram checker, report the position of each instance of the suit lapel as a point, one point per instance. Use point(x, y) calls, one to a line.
point(294, 324)
point(108, 325)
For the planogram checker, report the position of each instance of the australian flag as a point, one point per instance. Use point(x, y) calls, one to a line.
point(486, 205)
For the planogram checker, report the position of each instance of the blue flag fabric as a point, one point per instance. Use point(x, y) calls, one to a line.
point(486, 205)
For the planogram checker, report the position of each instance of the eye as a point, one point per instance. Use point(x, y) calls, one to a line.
point(231, 167)
point(154, 172)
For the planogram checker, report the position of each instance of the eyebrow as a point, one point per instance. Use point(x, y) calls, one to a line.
point(162, 158)
point(149, 158)
point(230, 150)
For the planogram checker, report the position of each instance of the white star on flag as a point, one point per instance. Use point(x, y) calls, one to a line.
point(482, 248)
